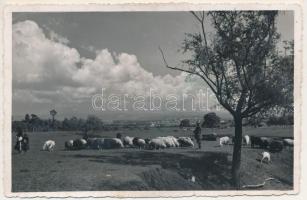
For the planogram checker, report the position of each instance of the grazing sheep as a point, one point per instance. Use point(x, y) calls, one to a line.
point(255, 141)
point(175, 141)
point(140, 143)
point(275, 146)
point(79, 144)
point(185, 142)
point(90, 142)
point(49, 145)
point(246, 139)
point(128, 141)
point(98, 143)
point(258, 141)
point(266, 155)
point(265, 142)
point(147, 140)
point(112, 143)
point(288, 142)
point(93, 143)
point(157, 143)
point(167, 141)
point(224, 140)
point(69, 145)
point(135, 141)
point(262, 142)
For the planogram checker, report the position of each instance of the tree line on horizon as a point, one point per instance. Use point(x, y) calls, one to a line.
point(33, 123)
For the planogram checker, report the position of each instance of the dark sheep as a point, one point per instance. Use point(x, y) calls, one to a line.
point(112, 143)
point(256, 141)
point(261, 142)
point(275, 146)
point(69, 145)
point(94, 143)
point(135, 141)
point(119, 135)
point(185, 142)
point(138, 142)
point(265, 142)
point(79, 144)
point(147, 140)
point(288, 142)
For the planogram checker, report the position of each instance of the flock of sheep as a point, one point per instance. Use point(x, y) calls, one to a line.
point(125, 142)
point(273, 145)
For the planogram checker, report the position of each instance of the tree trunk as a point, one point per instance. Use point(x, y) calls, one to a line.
point(236, 155)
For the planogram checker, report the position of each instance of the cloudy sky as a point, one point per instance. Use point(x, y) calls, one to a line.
point(60, 60)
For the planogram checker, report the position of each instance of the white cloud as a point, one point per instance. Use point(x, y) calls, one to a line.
point(54, 36)
point(58, 38)
point(48, 68)
point(89, 48)
point(38, 59)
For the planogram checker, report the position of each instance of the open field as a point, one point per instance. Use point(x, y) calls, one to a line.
point(134, 169)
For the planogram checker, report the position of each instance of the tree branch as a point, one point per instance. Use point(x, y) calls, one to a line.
point(255, 109)
point(188, 71)
point(195, 15)
point(201, 21)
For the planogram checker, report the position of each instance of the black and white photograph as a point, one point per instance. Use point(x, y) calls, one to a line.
point(191, 100)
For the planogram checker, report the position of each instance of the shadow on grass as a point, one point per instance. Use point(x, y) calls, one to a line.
point(210, 169)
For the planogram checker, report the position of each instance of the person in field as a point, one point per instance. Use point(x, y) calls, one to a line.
point(22, 141)
point(19, 138)
point(197, 134)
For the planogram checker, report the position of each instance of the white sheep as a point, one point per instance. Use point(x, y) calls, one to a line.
point(157, 143)
point(141, 143)
point(167, 141)
point(49, 145)
point(224, 140)
point(175, 141)
point(266, 155)
point(79, 144)
point(185, 142)
point(246, 139)
point(83, 141)
point(288, 142)
point(128, 141)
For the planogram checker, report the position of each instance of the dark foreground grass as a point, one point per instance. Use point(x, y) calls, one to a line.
point(134, 169)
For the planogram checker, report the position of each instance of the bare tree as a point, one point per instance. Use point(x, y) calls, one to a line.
point(238, 64)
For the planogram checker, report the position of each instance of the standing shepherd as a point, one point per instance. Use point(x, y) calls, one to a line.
point(197, 134)
point(19, 140)
point(22, 141)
